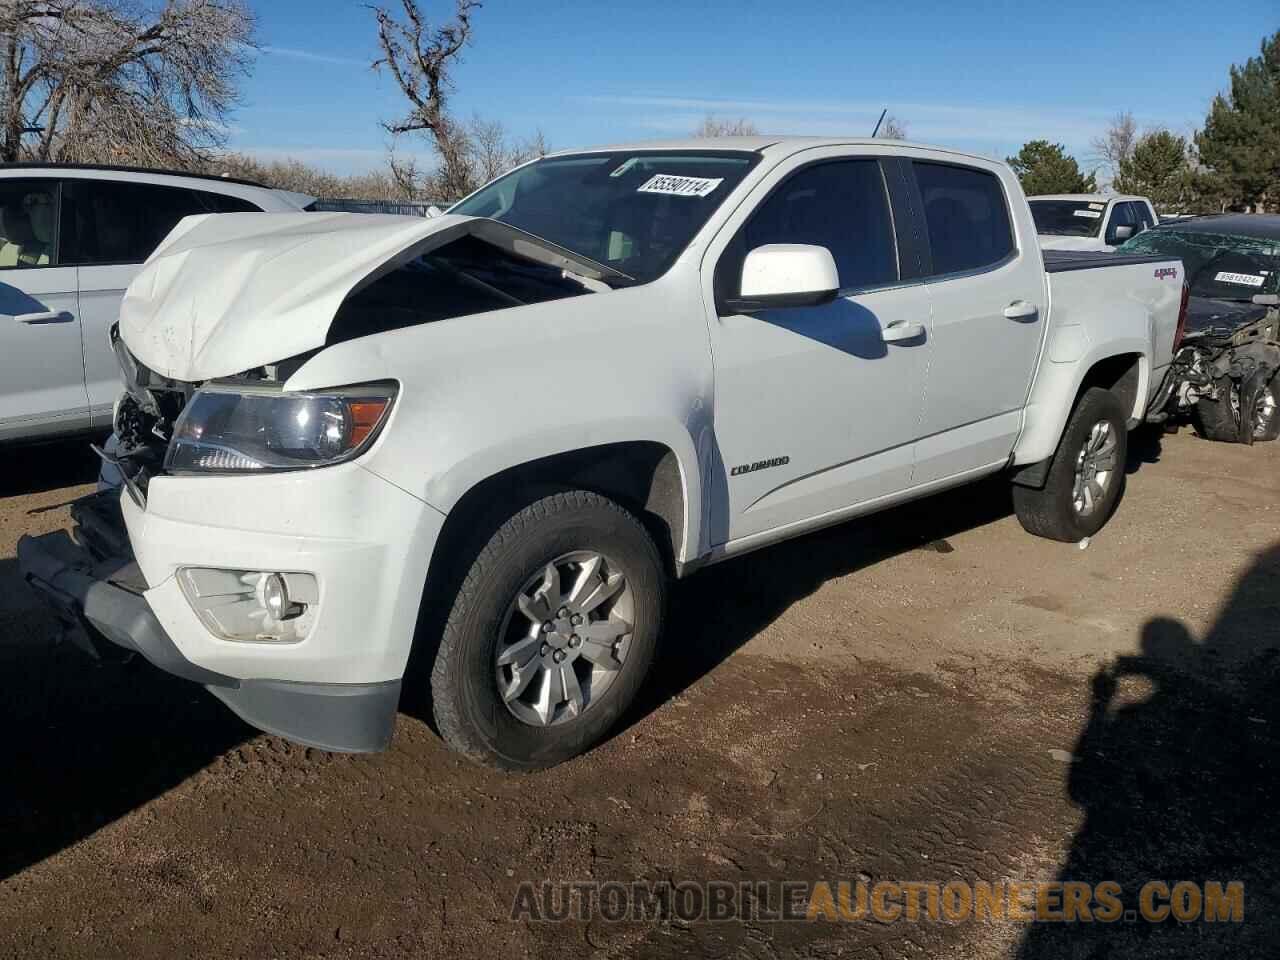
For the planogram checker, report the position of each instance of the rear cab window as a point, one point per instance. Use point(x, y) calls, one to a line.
point(966, 215)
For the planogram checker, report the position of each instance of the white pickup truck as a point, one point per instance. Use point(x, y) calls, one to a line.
point(492, 437)
point(1087, 221)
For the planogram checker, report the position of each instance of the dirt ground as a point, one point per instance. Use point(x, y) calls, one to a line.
point(930, 694)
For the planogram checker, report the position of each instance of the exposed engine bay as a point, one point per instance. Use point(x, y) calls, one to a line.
point(1228, 379)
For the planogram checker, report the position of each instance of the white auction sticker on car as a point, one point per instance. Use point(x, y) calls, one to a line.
point(1247, 279)
point(1091, 214)
point(679, 186)
point(1097, 206)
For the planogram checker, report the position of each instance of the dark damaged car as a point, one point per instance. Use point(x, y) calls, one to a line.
point(1225, 375)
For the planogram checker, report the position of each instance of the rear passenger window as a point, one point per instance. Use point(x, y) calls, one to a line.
point(839, 205)
point(106, 221)
point(967, 217)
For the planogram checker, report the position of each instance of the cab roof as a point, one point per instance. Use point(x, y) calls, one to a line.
point(777, 146)
point(1086, 197)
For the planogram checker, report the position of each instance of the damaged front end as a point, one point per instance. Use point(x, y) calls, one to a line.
point(148, 415)
point(1228, 380)
point(142, 422)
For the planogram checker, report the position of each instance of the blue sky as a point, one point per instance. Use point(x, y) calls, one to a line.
point(978, 76)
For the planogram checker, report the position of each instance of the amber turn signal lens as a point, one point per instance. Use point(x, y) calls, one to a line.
point(365, 415)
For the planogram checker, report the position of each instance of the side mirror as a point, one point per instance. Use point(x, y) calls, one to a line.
point(786, 275)
point(1122, 234)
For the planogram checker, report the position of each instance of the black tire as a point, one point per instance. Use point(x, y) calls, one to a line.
point(1049, 511)
point(468, 708)
point(1217, 419)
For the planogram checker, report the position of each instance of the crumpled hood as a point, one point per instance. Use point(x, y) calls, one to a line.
point(1220, 316)
point(228, 292)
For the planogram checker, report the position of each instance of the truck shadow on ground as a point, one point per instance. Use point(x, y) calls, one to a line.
point(1177, 769)
point(85, 743)
point(715, 612)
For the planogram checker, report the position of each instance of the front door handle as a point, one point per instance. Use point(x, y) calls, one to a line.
point(1021, 310)
point(48, 316)
point(902, 330)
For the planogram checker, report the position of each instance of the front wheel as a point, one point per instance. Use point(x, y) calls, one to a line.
point(1086, 478)
point(1220, 419)
point(551, 634)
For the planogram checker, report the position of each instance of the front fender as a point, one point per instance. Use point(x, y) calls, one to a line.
point(484, 393)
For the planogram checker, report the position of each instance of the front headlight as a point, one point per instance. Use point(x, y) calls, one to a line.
point(233, 429)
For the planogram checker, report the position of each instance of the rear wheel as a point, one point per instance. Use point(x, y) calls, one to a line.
point(1086, 478)
point(551, 633)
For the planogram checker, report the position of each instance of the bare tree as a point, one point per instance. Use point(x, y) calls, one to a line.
point(419, 58)
point(1116, 145)
point(713, 126)
point(138, 81)
point(410, 182)
point(891, 128)
point(400, 180)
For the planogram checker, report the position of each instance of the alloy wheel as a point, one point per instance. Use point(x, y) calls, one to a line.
point(564, 639)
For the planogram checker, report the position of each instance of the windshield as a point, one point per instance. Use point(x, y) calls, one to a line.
point(1067, 218)
point(1218, 266)
point(635, 212)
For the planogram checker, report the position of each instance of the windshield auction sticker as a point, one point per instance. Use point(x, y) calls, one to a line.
point(1247, 279)
point(1091, 214)
point(679, 186)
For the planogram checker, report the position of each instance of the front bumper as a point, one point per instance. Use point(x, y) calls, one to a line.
point(367, 543)
point(95, 588)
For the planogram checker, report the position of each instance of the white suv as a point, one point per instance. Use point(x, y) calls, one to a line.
point(71, 240)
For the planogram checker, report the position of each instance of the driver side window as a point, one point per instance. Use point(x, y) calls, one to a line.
point(841, 205)
point(1121, 216)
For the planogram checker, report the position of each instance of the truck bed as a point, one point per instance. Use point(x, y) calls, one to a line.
point(1060, 261)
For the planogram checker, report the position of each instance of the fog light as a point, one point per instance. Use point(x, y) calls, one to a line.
point(275, 596)
point(252, 604)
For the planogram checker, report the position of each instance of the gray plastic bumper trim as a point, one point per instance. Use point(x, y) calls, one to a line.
point(346, 717)
point(60, 569)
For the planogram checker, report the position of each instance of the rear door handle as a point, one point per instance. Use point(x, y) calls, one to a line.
point(48, 316)
point(1021, 310)
point(902, 330)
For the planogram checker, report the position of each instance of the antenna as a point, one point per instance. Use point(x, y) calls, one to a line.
point(878, 122)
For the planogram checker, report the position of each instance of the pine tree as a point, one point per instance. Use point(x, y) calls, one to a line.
point(1157, 168)
point(1240, 143)
point(1044, 167)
